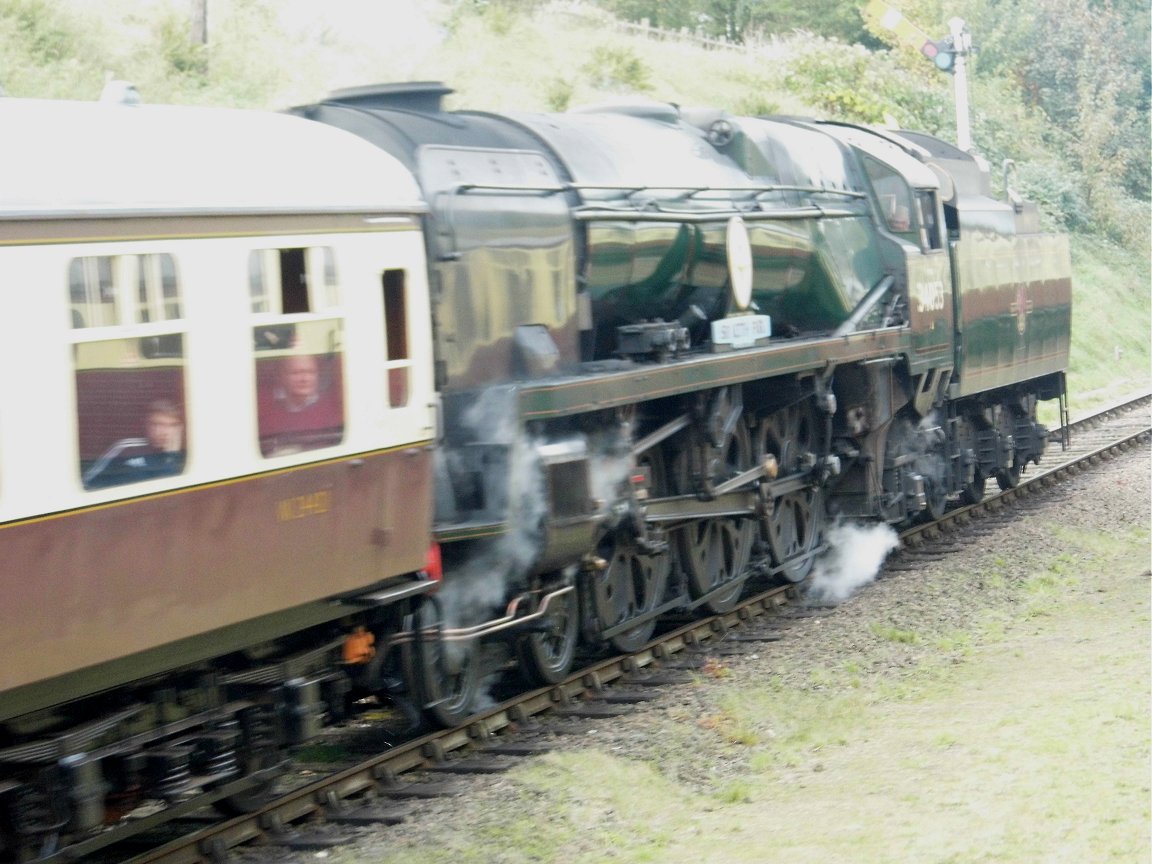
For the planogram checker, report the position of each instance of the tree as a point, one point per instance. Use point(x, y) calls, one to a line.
point(1089, 73)
point(736, 20)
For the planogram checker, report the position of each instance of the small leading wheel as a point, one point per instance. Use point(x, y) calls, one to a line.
point(630, 586)
point(546, 655)
point(445, 674)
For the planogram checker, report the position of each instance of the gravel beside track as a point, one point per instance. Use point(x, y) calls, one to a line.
point(693, 743)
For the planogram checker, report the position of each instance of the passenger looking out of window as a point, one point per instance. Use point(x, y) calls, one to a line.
point(159, 454)
point(304, 410)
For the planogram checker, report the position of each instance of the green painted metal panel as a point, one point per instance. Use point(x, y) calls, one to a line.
point(1014, 308)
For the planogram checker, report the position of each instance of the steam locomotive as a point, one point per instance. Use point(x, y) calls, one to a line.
point(370, 401)
point(672, 343)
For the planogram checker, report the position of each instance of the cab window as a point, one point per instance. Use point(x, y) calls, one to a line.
point(931, 233)
point(894, 197)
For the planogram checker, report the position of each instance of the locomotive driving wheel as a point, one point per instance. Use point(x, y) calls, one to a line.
point(714, 552)
point(796, 525)
point(634, 579)
point(630, 586)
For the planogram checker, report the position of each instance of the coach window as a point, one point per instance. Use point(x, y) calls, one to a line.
point(396, 337)
point(293, 280)
point(298, 349)
point(92, 292)
point(130, 408)
point(157, 294)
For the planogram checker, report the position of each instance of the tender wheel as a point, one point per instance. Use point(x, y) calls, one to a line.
point(796, 526)
point(546, 656)
point(446, 674)
point(973, 493)
point(1008, 474)
point(630, 586)
point(935, 496)
point(1009, 478)
point(716, 551)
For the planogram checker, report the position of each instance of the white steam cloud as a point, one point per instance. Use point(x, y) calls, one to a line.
point(484, 583)
point(856, 554)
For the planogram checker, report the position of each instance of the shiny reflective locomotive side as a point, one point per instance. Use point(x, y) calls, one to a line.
point(671, 343)
point(215, 455)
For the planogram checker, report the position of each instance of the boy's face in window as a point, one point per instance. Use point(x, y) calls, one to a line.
point(165, 432)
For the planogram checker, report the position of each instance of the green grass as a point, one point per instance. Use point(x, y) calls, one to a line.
point(889, 633)
point(971, 761)
point(1111, 323)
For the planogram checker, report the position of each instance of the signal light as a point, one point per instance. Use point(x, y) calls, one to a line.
point(942, 53)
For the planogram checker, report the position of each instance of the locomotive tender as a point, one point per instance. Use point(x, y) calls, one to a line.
point(603, 365)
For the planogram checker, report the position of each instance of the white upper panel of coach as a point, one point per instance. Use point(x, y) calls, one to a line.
point(74, 159)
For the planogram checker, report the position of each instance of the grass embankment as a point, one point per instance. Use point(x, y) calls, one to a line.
point(1020, 738)
point(1111, 323)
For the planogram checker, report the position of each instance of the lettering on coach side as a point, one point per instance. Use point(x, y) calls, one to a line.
point(930, 296)
point(312, 504)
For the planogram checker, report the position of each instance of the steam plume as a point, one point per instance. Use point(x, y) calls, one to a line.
point(856, 553)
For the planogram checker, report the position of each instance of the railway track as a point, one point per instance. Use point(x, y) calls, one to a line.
point(385, 787)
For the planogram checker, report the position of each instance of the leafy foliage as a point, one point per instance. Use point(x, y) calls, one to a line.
point(1071, 81)
point(738, 20)
point(1068, 103)
point(852, 83)
point(617, 68)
